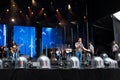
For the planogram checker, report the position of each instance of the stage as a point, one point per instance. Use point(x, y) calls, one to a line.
point(60, 74)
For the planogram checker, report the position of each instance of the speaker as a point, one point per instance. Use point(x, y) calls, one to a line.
point(7, 63)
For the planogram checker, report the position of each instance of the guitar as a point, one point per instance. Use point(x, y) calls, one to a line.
point(15, 48)
point(68, 50)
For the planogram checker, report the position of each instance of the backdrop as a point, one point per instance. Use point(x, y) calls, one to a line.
point(3, 32)
point(51, 37)
point(24, 36)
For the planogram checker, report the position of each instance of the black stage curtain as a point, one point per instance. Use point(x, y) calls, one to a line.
point(60, 74)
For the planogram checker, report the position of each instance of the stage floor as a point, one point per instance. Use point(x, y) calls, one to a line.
point(60, 74)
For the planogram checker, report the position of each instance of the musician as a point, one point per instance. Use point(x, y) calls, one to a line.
point(58, 54)
point(14, 50)
point(53, 54)
point(53, 57)
point(79, 49)
point(90, 48)
point(115, 48)
point(5, 52)
point(68, 51)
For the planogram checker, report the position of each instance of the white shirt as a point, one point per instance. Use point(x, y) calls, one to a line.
point(79, 46)
point(91, 48)
point(115, 47)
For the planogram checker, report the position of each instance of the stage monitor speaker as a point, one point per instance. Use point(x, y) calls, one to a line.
point(7, 64)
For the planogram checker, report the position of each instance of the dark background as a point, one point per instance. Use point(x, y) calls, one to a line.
point(97, 12)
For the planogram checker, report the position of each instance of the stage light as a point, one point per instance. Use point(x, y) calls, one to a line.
point(57, 10)
point(84, 17)
point(44, 14)
point(20, 11)
point(59, 15)
point(32, 13)
point(69, 7)
point(12, 20)
point(41, 12)
point(7, 10)
point(73, 22)
point(13, 5)
point(62, 22)
point(13, 8)
point(42, 8)
point(28, 7)
point(34, 3)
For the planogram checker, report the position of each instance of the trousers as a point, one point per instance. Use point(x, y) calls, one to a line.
point(79, 55)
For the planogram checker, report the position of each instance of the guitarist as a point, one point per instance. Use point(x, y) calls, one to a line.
point(14, 49)
point(68, 51)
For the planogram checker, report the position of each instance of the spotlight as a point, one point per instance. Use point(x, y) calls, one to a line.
point(20, 11)
point(34, 3)
point(57, 10)
point(69, 7)
point(7, 10)
point(74, 22)
point(44, 14)
point(42, 8)
point(13, 5)
point(12, 20)
point(32, 12)
point(28, 7)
